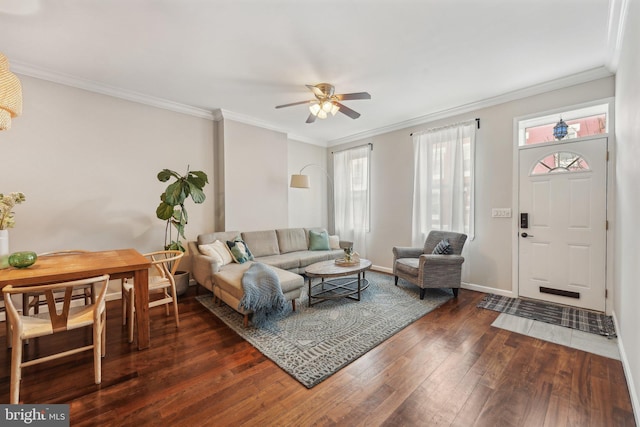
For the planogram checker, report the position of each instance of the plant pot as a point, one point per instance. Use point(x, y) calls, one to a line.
point(182, 282)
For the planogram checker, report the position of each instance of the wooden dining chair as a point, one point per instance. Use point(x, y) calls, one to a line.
point(24, 327)
point(33, 301)
point(164, 265)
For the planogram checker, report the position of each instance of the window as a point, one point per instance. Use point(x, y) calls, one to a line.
point(443, 180)
point(561, 161)
point(578, 128)
point(586, 121)
point(351, 195)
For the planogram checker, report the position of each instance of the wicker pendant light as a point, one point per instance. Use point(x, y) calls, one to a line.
point(10, 94)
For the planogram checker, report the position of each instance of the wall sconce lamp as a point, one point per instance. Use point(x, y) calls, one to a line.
point(302, 181)
point(10, 94)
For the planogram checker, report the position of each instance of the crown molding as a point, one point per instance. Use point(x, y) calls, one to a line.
point(615, 31)
point(242, 118)
point(68, 80)
point(572, 80)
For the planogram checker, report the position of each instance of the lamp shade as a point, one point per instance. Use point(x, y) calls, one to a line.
point(10, 94)
point(299, 181)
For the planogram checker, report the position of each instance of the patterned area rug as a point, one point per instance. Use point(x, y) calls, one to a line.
point(562, 315)
point(313, 343)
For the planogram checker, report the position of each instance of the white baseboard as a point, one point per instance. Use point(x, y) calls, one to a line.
point(488, 290)
point(635, 403)
point(382, 269)
point(470, 286)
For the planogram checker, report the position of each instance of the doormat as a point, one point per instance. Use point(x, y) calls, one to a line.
point(556, 314)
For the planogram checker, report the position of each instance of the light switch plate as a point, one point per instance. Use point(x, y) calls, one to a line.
point(501, 213)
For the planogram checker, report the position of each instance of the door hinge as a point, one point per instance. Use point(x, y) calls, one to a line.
point(606, 225)
point(606, 293)
point(607, 155)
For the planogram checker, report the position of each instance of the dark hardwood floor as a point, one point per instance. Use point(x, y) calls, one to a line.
point(448, 368)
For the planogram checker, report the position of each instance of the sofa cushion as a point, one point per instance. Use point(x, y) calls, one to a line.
point(311, 257)
point(218, 251)
point(307, 230)
point(262, 243)
point(230, 279)
point(239, 250)
point(334, 242)
point(291, 239)
point(408, 266)
point(318, 240)
point(288, 261)
point(223, 236)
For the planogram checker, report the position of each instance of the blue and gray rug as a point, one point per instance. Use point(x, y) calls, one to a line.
point(313, 343)
point(556, 314)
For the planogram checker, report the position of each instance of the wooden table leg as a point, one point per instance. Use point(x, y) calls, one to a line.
point(141, 283)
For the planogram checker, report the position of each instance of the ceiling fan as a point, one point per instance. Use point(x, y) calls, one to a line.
point(327, 102)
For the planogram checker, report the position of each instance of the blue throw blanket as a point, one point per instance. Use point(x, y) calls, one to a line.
point(262, 294)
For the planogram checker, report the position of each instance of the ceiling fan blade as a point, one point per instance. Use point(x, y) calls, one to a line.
point(349, 96)
point(311, 118)
point(316, 91)
point(348, 111)
point(292, 104)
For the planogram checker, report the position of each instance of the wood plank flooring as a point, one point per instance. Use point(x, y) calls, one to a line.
point(450, 368)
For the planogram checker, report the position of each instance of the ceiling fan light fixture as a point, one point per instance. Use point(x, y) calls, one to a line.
point(314, 108)
point(326, 102)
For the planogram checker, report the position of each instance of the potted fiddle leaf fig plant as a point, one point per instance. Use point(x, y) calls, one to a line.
point(172, 210)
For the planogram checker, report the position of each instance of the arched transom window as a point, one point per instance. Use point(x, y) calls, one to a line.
point(559, 162)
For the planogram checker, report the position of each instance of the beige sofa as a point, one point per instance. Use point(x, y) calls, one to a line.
point(285, 250)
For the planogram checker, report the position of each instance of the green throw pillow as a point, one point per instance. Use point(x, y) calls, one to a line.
point(239, 250)
point(318, 240)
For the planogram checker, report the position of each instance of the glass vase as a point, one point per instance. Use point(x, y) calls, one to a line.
point(4, 249)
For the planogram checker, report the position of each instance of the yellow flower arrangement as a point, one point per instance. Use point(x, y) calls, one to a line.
point(7, 202)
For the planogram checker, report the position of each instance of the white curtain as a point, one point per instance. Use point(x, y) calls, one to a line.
point(351, 194)
point(443, 185)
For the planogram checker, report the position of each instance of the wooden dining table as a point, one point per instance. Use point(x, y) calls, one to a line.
point(117, 263)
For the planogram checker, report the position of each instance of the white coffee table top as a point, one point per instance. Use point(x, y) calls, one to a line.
point(331, 269)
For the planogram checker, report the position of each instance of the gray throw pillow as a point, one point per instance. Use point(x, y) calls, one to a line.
point(443, 248)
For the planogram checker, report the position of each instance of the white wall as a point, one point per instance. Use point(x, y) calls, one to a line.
point(488, 257)
point(255, 177)
point(308, 206)
point(87, 164)
point(627, 267)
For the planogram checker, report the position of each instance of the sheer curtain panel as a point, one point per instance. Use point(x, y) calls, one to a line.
point(351, 192)
point(443, 184)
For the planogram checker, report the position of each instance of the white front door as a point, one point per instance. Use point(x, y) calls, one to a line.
point(562, 249)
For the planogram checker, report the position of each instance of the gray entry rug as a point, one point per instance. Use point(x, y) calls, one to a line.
point(556, 314)
point(313, 343)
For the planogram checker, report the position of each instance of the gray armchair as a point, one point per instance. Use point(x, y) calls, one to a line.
point(426, 270)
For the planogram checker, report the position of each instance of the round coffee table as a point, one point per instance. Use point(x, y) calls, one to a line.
point(334, 284)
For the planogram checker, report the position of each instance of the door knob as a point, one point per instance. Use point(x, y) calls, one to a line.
point(526, 235)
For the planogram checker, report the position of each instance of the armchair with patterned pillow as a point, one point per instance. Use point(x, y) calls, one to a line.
point(436, 265)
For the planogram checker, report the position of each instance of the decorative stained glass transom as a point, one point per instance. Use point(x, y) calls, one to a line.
point(559, 162)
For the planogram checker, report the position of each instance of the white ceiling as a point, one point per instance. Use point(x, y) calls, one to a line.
point(244, 57)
